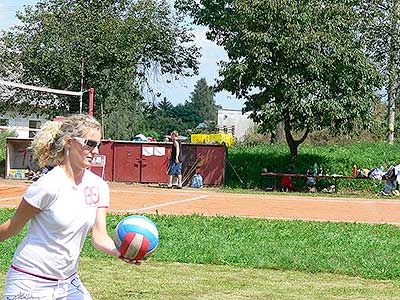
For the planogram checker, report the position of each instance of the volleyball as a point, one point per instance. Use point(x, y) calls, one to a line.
point(136, 237)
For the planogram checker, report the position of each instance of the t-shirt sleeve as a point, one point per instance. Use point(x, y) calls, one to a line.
point(39, 196)
point(104, 195)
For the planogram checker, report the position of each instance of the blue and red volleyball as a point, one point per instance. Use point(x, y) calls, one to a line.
point(136, 237)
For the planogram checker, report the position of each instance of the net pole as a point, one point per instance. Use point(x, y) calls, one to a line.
point(82, 83)
point(91, 101)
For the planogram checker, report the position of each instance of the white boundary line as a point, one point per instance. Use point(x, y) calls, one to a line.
point(350, 201)
point(173, 191)
point(257, 197)
point(165, 204)
point(10, 198)
point(262, 197)
point(319, 220)
point(3, 186)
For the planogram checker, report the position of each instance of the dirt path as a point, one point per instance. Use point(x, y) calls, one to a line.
point(133, 198)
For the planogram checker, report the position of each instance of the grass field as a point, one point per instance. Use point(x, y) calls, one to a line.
point(112, 279)
point(240, 258)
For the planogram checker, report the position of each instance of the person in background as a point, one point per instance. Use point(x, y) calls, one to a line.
point(175, 161)
point(62, 207)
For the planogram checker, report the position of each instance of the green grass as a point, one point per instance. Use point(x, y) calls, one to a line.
point(360, 250)
point(153, 280)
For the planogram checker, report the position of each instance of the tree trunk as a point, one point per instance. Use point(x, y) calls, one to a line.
point(278, 134)
point(393, 76)
point(292, 143)
point(293, 146)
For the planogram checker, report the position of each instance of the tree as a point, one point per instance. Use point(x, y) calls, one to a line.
point(164, 118)
point(124, 118)
point(165, 107)
point(382, 38)
point(159, 117)
point(202, 101)
point(300, 62)
point(122, 40)
point(189, 117)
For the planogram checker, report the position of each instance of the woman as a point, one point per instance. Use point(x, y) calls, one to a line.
point(62, 207)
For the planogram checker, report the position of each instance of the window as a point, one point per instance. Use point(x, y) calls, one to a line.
point(34, 125)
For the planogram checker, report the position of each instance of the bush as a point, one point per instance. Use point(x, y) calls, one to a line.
point(3, 135)
point(335, 159)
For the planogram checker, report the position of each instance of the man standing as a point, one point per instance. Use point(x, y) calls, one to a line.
point(175, 161)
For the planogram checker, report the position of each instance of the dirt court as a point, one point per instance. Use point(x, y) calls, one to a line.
point(136, 199)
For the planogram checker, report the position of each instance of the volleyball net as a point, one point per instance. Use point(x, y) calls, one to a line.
point(6, 85)
point(40, 89)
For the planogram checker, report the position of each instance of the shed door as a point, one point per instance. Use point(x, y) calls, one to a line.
point(213, 164)
point(155, 163)
point(127, 163)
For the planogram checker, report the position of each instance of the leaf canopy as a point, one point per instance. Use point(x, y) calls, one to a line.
point(302, 62)
point(121, 41)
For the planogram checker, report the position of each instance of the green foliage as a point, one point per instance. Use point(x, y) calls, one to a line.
point(124, 107)
point(163, 118)
point(335, 159)
point(154, 134)
point(120, 42)
point(187, 116)
point(298, 62)
point(202, 102)
point(3, 135)
point(369, 251)
point(165, 107)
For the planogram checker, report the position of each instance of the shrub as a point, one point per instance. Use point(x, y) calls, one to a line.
point(335, 159)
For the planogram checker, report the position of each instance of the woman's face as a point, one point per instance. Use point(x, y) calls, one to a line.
point(84, 148)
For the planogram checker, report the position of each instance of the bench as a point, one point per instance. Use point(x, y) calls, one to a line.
point(334, 177)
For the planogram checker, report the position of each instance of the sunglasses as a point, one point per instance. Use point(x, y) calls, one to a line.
point(89, 143)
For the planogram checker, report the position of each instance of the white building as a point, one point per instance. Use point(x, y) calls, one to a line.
point(24, 126)
point(233, 121)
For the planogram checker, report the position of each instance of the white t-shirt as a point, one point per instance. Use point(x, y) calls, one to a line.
point(56, 234)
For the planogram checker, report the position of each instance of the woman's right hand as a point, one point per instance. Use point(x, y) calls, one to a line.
point(130, 261)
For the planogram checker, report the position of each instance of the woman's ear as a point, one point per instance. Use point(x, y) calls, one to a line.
point(68, 143)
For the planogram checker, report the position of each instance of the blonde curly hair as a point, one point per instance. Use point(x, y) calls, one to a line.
point(49, 142)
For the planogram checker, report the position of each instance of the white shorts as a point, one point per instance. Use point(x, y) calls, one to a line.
point(24, 286)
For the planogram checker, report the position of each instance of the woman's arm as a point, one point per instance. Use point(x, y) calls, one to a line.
point(100, 238)
point(177, 146)
point(102, 241)
point(13, 226)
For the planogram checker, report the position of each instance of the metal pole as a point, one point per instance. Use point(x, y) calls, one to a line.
point(102, 121)
point(82, 83)
point(91, 101)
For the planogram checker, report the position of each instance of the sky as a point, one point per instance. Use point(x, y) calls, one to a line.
point(177, 91)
